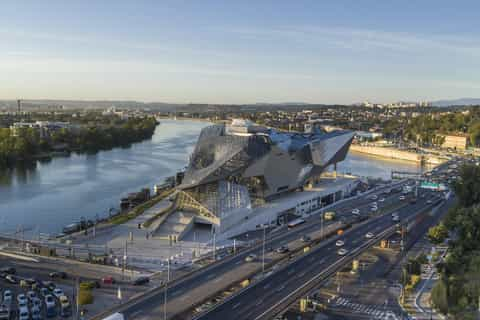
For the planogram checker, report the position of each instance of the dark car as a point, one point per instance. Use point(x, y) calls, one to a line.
point(8, 270)
point(141, 281)
point(58, 274)
point(49, 285)
point(306, 239)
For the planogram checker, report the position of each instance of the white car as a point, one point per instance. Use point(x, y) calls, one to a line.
point(342, 252)
point(58, 293)
point(369, 235)
point(374, 197)
point(23, 313)
point(355, 211)
point(49, 301)
point(250, 258)
point(373, 204)
point(22, 300)
point(401, 198)
point(7, 296)
point(339, 243)
point(381, 200)
point(374, 209)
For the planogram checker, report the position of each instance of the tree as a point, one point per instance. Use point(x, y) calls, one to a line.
point(440, 297)
point(437, 234)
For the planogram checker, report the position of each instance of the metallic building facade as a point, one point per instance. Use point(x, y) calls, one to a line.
point(241, 164)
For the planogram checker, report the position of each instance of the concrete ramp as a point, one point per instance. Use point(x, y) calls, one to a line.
point(177, 224)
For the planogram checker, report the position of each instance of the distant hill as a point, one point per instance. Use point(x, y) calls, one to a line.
point(456, 102)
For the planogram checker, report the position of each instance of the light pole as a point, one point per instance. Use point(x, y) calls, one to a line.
point(166, 289)
point(263, 249)
point(321, 225)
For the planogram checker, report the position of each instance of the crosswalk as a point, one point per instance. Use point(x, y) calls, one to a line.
point(371, 311)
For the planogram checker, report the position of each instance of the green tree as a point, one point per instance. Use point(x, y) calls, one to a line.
point(440, 296)
point(438, 233)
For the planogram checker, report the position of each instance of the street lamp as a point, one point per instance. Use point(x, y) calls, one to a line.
point(263, 248)
point(166, 289)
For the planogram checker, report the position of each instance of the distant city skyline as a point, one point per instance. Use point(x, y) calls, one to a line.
point(245, 52)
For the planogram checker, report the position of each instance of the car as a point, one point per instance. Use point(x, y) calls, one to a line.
point(429, 201)
point(108, 280)
point(4, 312)
point(8, 270)
point(58, 293)
point(36, 313)
point(11, 278)
point(49, 284)
point(23, 313)
point(374, 197)
point(22, 300)
point(49, 301)
point(374, 204)
point(355, 211)
point(374, 209)
point(141, 281)
point(339, 243)
point(369, 235)
point(396, 218)
point(401, 198)
point(305, 238)
point(58, 274)
point(51, 312)
point(7, 297)
point(36, 302)
point(282, 249)
point(31, 295)
point(64, 303)
point(250, 258)
point(65, 312)
point(342, 252)
point(44, 291)
point(381, 200)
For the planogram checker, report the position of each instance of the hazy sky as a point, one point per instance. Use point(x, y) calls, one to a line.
point(240, 51)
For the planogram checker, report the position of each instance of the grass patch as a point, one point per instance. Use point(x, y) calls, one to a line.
point(138, 210)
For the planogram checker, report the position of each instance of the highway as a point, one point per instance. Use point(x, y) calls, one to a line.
point(266, 298)
point(199, 285)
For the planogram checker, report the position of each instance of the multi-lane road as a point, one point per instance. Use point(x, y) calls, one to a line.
point(268, 297)
point(198, 286)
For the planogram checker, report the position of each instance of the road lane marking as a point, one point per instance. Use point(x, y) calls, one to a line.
point(236, 305)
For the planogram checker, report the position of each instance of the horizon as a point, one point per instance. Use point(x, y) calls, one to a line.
point(239, 53)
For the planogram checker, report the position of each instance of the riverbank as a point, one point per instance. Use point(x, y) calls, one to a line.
point(393, 153)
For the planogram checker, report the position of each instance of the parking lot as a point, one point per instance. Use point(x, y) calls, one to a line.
point(24, 296)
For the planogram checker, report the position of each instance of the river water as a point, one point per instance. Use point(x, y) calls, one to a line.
point(50, 195)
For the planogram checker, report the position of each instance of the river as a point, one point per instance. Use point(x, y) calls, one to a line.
point(50, 195)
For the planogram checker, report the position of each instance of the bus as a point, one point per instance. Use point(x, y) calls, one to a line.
point(295, 223)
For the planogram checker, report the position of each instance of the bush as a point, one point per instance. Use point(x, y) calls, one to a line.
point(85, 296)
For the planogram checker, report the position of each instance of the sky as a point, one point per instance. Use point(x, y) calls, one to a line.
point(240, 51)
